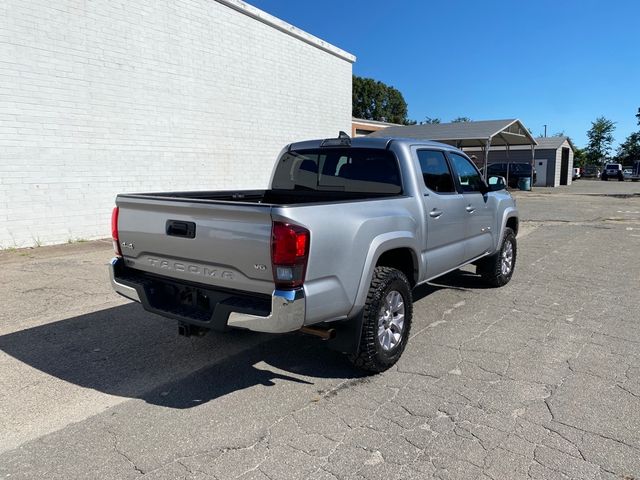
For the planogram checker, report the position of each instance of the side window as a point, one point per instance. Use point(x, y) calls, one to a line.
point(468, 174)
point(341, 162)
point(435, 171)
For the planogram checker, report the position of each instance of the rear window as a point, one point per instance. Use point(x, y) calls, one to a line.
point(347, 169)
point(520, 167)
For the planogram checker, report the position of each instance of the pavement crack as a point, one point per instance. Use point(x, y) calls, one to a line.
point(473, 435)
point(537, 462)
point(116, 448)
point(627, 390)
point(421, 374)
point(601, 435)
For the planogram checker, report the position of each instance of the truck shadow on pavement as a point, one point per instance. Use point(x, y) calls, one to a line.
point(464, 280)
point(127, 352)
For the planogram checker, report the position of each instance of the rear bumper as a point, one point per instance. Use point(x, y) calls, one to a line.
point(223, 309)
point(121, 288)
point(287, 314)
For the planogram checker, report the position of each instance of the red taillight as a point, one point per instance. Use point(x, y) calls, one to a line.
point(289, 254)
point(114, 231)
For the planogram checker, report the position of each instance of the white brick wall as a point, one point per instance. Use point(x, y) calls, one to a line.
point(103, 97)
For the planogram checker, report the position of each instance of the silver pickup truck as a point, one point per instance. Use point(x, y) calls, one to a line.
point(333, 248)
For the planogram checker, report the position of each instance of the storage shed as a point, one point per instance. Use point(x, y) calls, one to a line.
point(553, 159)
point(483, 135)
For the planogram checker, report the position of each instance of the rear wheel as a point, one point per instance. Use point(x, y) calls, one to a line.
point(386, 321)
point(497, 269)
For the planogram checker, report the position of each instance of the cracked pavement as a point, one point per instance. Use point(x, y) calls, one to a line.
point(539, 379)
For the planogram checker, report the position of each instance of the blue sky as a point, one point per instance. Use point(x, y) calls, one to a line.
point(560, 63)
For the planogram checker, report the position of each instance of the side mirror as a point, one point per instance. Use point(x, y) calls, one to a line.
point(497, 183)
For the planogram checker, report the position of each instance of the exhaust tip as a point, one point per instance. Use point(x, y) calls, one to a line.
point(325, 334)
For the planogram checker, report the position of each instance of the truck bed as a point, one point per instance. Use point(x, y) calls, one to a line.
point(267, 197)
point(218, 238)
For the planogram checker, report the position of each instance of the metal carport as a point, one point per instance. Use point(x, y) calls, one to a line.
point(484, 134)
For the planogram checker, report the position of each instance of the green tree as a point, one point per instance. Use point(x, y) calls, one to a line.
point(461, 120)
point(600, 137)
point(629, 150)
point(374, 100)
point(579, 157)
point(431, 120)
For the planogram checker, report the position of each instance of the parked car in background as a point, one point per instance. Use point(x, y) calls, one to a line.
point(576, 173)
point(513, 173)
point(612, 170)
point(635, 171)
point(626, 173)
point(590, 171)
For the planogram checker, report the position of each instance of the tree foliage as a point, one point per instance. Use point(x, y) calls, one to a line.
point(629, 150)
point(579, 157)
point(600, 137)
point(461, 120)
point(429, 120)
point(374, 100)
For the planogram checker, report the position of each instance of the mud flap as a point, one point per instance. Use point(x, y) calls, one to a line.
point(348, 334)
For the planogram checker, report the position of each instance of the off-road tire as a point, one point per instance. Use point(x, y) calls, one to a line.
point(371, 356)
point(603, 178)
point(621, 178)
point(491, 267)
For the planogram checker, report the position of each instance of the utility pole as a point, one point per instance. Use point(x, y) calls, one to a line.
point(545, 131)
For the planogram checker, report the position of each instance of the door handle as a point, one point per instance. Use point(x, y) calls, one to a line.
point(177, 228)
point(435, 213)
point(470, 209)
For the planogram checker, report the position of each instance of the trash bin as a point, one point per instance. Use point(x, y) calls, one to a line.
point(524, 183)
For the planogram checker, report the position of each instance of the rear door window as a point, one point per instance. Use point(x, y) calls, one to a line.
point(435, 171)
point(520, 168)
point(497, 169)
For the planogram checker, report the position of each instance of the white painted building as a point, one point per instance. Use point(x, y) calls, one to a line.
point(98, 98)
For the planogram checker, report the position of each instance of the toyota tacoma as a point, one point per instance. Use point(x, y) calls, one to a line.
point(333, 248)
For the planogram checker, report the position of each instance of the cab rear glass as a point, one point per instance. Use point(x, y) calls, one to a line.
point(358, 170)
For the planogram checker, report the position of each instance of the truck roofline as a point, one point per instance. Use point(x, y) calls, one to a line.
point(370, 142)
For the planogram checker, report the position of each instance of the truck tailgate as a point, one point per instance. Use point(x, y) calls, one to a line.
point(226, 245)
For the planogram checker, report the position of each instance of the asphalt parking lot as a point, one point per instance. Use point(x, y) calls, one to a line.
point(539, 379)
